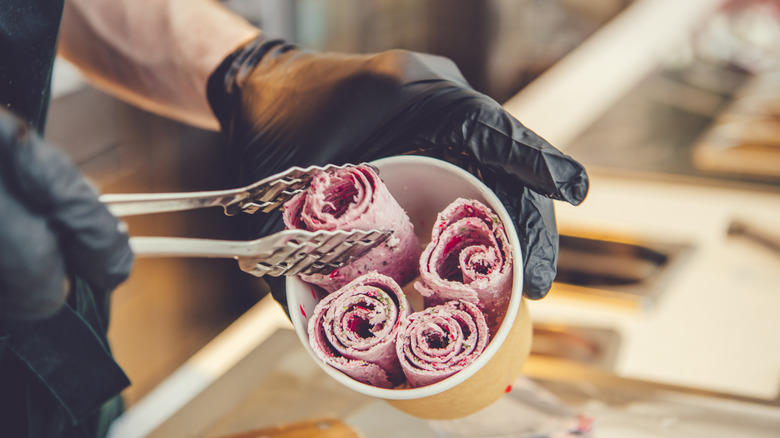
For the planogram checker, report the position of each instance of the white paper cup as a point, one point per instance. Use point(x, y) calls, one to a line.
point(423, 187)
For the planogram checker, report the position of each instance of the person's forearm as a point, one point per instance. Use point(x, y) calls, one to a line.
point(156, 54)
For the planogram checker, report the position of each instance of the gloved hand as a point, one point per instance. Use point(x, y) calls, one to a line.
point(52, 225)
point(281, 106)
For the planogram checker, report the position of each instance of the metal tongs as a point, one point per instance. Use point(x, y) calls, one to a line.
point(289, 252)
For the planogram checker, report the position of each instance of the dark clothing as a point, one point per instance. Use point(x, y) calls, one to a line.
point(28, 41)
point(57, 375)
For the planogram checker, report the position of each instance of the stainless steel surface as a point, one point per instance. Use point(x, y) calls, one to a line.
point(289, 252)
point(265, 195)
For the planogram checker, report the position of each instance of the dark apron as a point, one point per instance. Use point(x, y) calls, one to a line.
point(57, 376)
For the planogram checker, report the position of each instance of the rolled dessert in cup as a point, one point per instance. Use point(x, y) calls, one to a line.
point(356, 198)
point(424, 187)
point(439, 341)
point(354, 329)
point(468, 258)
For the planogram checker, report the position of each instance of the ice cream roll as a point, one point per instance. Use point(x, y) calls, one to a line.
point(354, 329)
point(468, 258)
point(356, 198)
point(439, 341)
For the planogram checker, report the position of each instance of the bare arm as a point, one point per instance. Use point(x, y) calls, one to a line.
point(155, 54)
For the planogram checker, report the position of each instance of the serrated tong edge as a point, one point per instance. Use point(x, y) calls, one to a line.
point(265, 195)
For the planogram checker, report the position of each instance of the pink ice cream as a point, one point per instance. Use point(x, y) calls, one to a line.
point(356, 198)
point(468, 258)
point(439, 341)
point(354, 329)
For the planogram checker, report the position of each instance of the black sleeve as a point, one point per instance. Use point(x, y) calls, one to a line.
point(28, 42)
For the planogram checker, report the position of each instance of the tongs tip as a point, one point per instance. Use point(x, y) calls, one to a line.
point(272, 193)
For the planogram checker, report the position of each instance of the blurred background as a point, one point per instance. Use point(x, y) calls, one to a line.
point(669, 272)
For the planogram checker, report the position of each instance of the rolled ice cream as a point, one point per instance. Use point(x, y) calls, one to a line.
point(354, 329)
point(468, 258)
point(439, 341)
point(356, 198)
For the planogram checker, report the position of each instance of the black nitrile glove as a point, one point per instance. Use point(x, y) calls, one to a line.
point(51, 225)
point(281, 106)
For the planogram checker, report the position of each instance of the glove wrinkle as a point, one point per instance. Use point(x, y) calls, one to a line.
point(542, 263)
point(240, 64)
point(507, 147)
point(570, 179)
point(417, 68)
point(529, 158)
point(539, 243)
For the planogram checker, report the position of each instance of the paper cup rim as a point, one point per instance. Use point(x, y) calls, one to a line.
point(497, 339)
